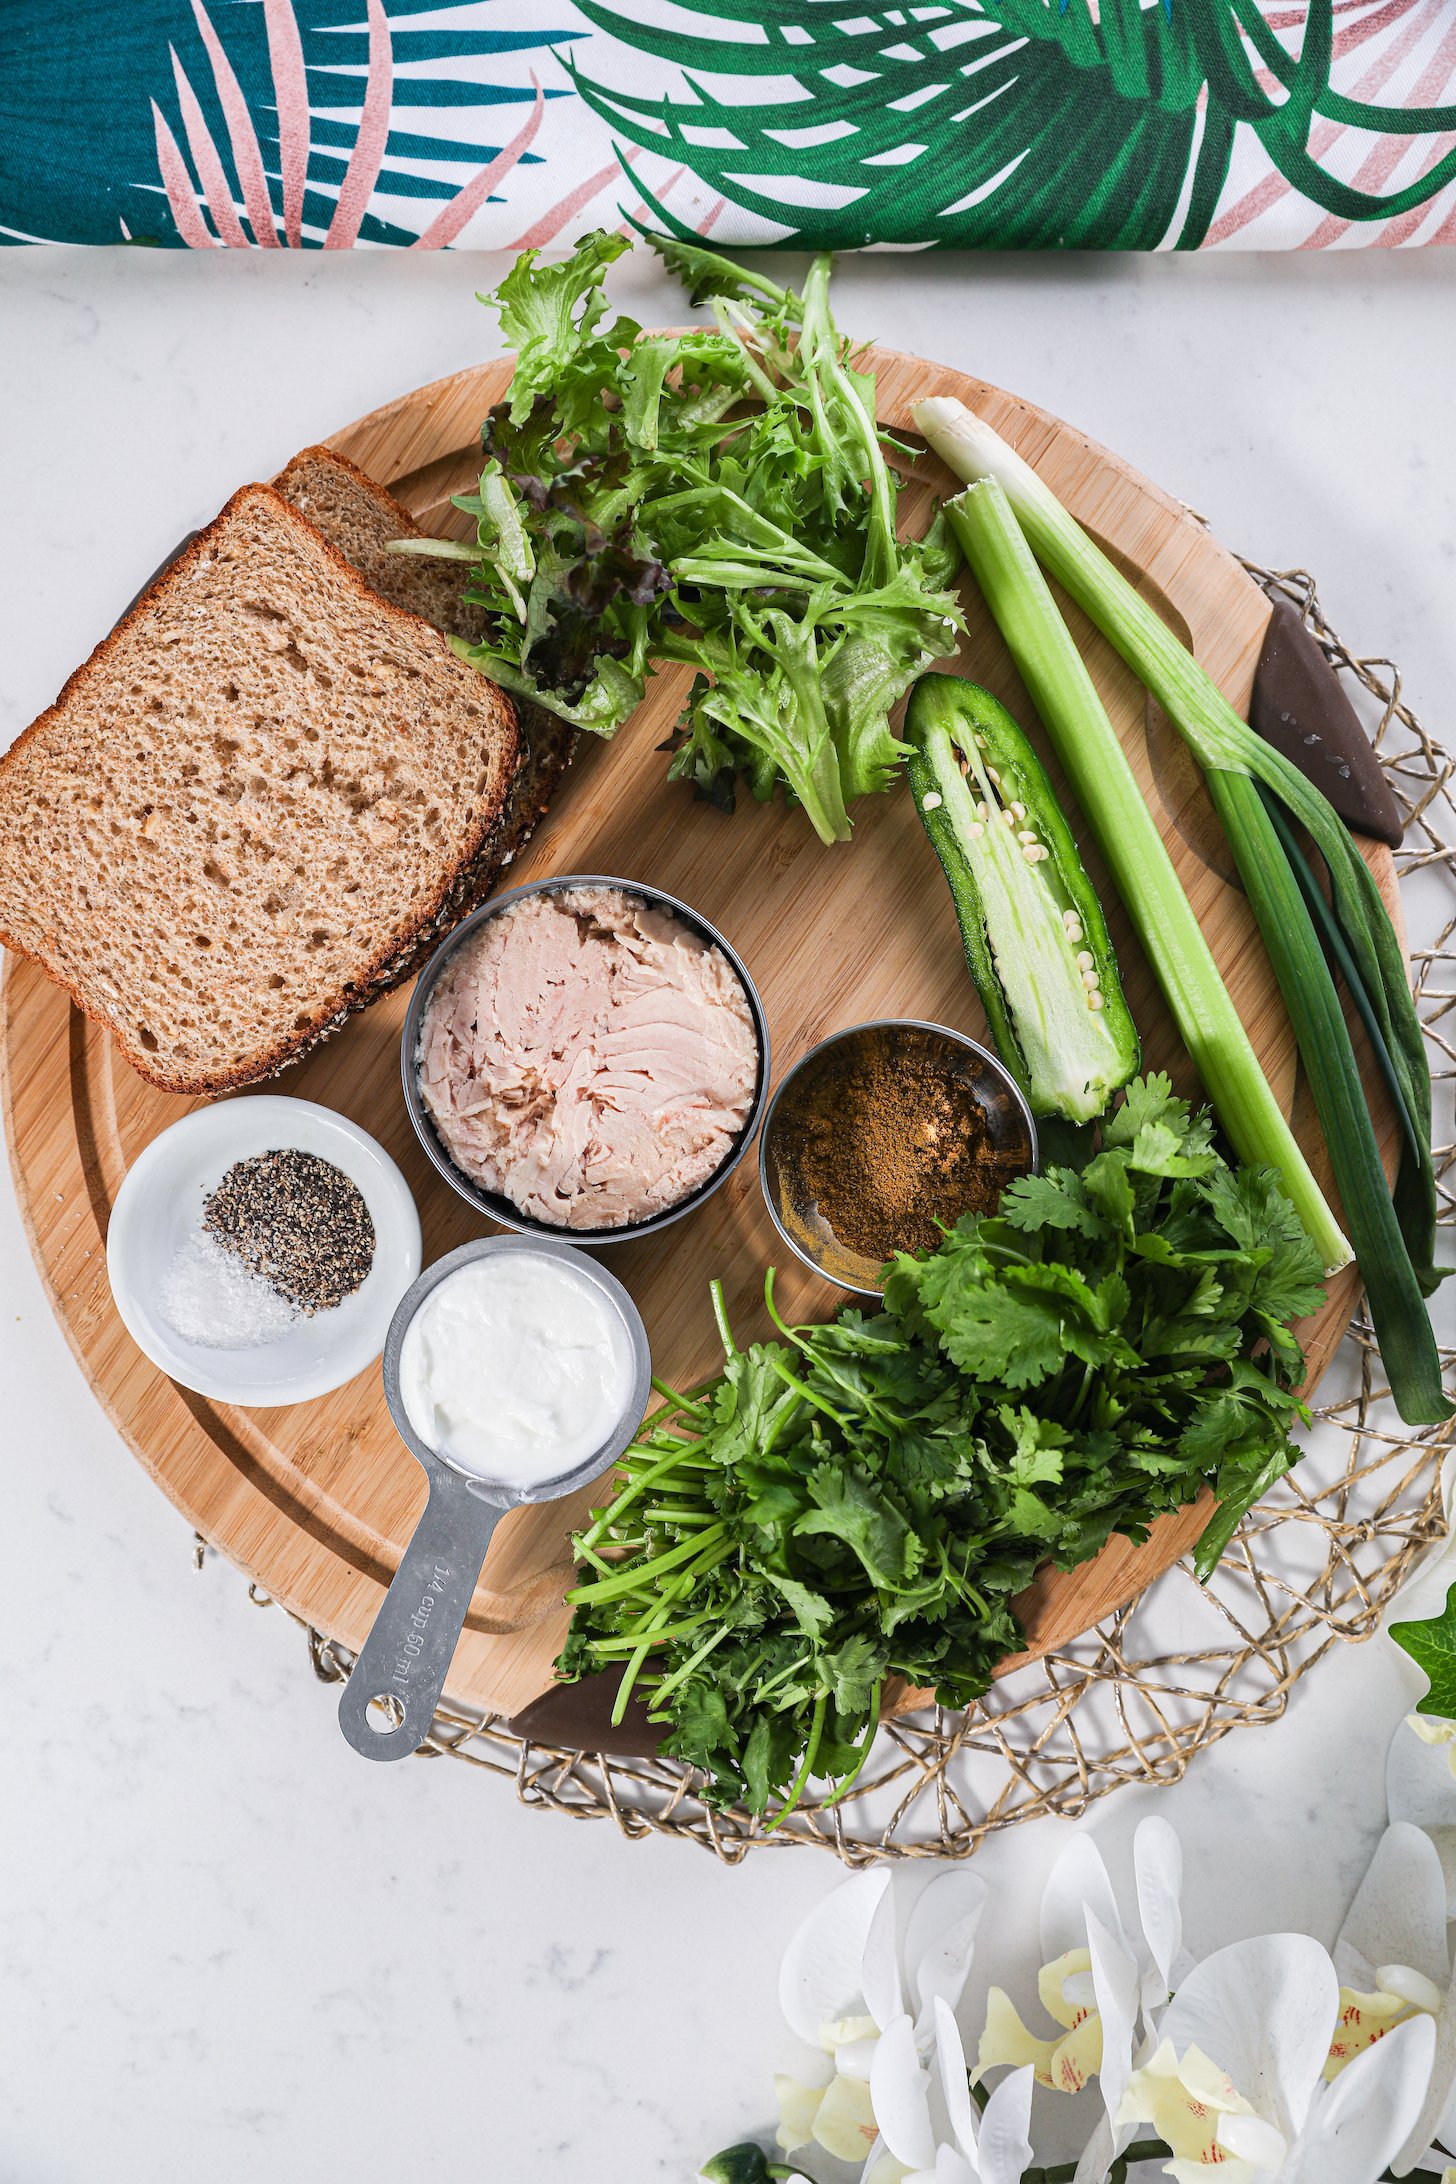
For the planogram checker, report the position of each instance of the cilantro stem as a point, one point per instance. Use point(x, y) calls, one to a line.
point(681, 1673)
point(677, 1403)
point(789, 1334)
point(632, 1671)
point(795, 1667)
point(817, 1401)
point(720, 1314)
point(627, 1641)
point(630, 1579)
point(871, 1732)
point(598, 1562)
point(629, 1494)
point(811, 1753)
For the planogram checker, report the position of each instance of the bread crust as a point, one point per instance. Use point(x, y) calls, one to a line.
point(549, 743)
point(398, 951)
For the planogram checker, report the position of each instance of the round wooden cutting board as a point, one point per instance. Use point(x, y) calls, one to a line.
point(314, 1502)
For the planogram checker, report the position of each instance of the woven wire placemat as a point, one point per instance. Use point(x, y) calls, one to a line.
point(1136, 1698)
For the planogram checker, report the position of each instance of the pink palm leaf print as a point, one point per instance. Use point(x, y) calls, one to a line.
point(210, 195)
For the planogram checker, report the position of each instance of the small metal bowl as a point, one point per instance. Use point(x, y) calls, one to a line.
point(491, 1203)
point(802, 1227)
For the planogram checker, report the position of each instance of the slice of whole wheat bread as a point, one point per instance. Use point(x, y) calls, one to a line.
point(251, 807)
point(358, 516)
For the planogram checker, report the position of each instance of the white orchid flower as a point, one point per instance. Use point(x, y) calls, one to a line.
point(1394, 1964)
point(930, 2132)
point(1237, 2079)
point(843, 1984)
point(1420, 1789)
point(1099, 1975)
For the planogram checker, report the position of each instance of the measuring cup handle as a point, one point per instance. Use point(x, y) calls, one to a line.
point(407, 1655)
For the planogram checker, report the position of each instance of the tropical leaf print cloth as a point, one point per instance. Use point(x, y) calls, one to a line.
point(498, 124)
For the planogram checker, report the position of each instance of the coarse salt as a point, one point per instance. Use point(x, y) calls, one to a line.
point(209, 1297)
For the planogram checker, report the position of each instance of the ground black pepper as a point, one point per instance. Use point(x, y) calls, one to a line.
point(296, 1220)
point(888, 1137)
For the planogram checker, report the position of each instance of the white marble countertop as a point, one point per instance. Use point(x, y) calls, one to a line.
point(227, 1949)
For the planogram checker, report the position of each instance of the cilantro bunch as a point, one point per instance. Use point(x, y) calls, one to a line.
point(718, 497)
point(863, 1500)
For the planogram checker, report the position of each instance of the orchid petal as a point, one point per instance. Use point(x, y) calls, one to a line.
point(1363, 2019)
point(1438, 2108)
point(1077, 2056)
point(845, 2122)
point(1399, 1912)
point(819, 1980)
point(952, 2167)
point(1403, 1983)
point(1100, 2152)
point(1262, 2009)
point(1184, 2097)
point(1004, 2141)
point(1250, 2138)
point(1367, 2114)
point(1056, 1984)
point(1076, 1884)
point(856, 2058)
point(955, 2088)
point(1158, 1867)
point(880, 1967)
point(846, 2032)
point(900, 2092)
point(940, 1935)
point(1420, 1788)
point(798, 2106)
point(1115, 1979)
point(882, 2168)
point(1006, 2040)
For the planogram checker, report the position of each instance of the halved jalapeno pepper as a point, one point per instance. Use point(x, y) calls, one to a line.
point(1032, 927)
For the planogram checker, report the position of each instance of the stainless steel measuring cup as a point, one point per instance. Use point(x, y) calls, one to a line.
point(389, 1701)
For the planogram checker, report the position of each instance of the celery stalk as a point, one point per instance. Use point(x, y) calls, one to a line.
point(1096, 765)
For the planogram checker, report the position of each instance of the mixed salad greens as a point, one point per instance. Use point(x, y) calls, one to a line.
point(862, 1500)
point(719, 497)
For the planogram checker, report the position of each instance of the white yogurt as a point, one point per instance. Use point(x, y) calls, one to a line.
point(517, 1368)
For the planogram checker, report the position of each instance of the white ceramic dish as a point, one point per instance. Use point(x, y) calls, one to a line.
point(160, 1203)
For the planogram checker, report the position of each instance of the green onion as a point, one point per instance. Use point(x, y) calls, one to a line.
point(1220, 741)
point(1397, 1308)
point(1340, 959)
point(1087, 744)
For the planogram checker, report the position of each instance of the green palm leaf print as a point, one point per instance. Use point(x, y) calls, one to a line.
point(1013, 124)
